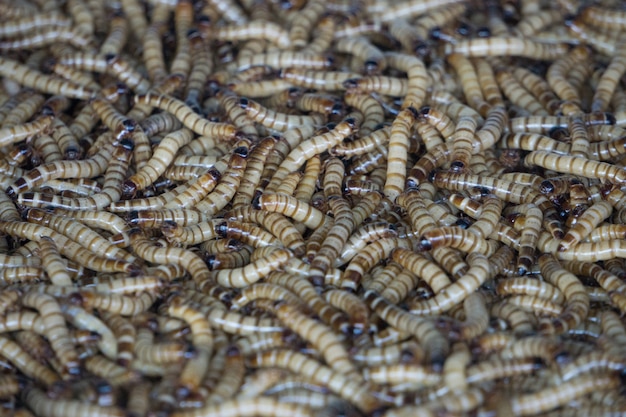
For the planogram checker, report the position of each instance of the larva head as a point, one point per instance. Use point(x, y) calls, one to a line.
point(570, 19)
point(190, 352)
point(463, 223)
point(351, 83)
point(256, 200)
point(133, 218)
point(47, 111)
point(337, 109)
point(242, 151)
point(547, 187)
point(244, 102)
point(169, 228)
point(127, 144)
point(463, 29)
point(73, 153)
point(221, 229)
point(213, 172)
point(424, 244)
point(371, 66)
point(204, 20)
point(457, 166)
point(194, 34)
point(110, 58)
point(233, 351)
point(483, 32)
point(436, 33)
point(421, 49)
point(129, 189)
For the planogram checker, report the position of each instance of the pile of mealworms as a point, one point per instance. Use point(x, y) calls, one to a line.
point(312, 208)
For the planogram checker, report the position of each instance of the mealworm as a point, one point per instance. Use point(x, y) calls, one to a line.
point(244, 407)
point(329, 344)
point(264, 290)
point(505, 190)
point(125, 334)
point(371, 109)
point(68, 144)
point(247, 233)
point(577, 301)
point(469, 82)
point(305, 290)
point(24, 110)
point(183, 19)
point(235, 323)
point(53, 263)
point(189, 235)
point(319, 80)
point(290, 207)
point(251, 273)
point(56, 330)
point(82, 17)
point(79, 318)
point(153, 54)
point(192, 262)
point(353, 391)
point(575, 165)
point(111, 190)
point(361, 237)
point(162, 156)
point(47, 35)
point(196, 367)
point(146, 350)
point(360, 47)
point(402, 352)
point(514, 90)
point(553, 397)
point(417, 78)
point(11, 135)
point(254, 30)
point(227, 186)
point(308, 182)
point(456, 238)
point(67, 247)
point(368, 257)
point(281, 59)
point(186, 116)
point(275, 224)
point(25, 24)
point(78, 233)
point(436, 278)
point(531, 286)
point(87, 168)
point(25, 363)
point(601, 40)
point(41, 404)
point(398, 152)
point(456, 292)
point(500, 46)
point(275, 120)
point(403, 374)
point(390, 86)
point(536, 304)
point(585, 223)
point(435, 345)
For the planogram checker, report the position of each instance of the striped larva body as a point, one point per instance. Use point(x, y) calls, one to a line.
point(274, 120)
point(56, 329)
point(345, 387)
point(187, 116)
point(398, 153)
point(495, 46)
point(330, 346)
